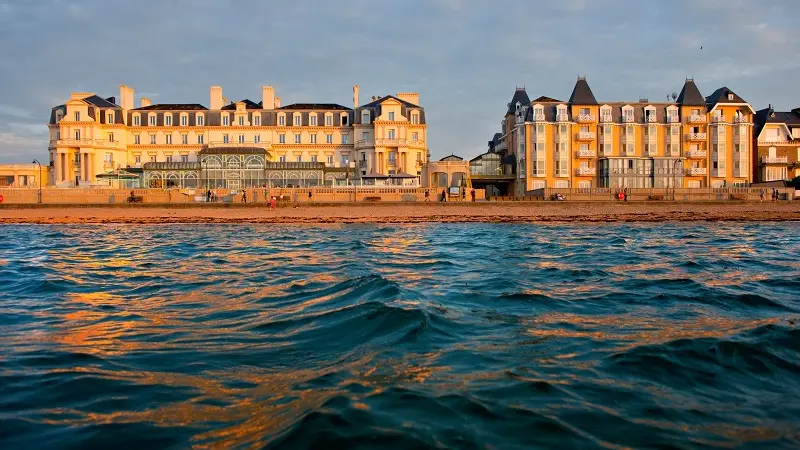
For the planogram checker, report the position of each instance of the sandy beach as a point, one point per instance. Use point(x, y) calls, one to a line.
point(403, 213)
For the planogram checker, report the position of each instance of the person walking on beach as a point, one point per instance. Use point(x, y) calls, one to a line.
point(472, 194)
point(427, 195)
point(761, 194)
point(444, 195)
point(309, 195)
point(244, 196)
point(272, 203)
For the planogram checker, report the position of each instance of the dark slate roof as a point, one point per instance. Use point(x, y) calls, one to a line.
point(100, 101)
point(380, 100)
point(171, 166)
point(721, 96)
point(690, 95)
point(233, 151)
point(519, 96)
point(452, 158)
point(172, 107)
point(316, 106)
point(545, 99)
point(769, 115)
point(582, 94)
point(249, 104)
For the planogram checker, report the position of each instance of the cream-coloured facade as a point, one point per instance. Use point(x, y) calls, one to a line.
point(582, 143)
point(90, 136)
point(777, 142)
point(23, 175)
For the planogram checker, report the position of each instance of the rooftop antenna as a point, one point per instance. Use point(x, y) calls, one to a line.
point(674, 96)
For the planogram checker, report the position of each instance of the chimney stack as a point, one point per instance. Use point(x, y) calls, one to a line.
point(410, 97)
point(145, 102)
point(215, 101)
point(125, 97)
point(355, 96)
point(267, 97)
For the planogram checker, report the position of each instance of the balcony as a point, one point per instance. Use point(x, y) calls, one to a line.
point(538, 117)
point(651, 118)
point(539, 137)
point(72, 142)
point(391, 142)
point(108, 164)
point(108, 144)
point(585, 136)
point(416, 143)
point(364, 143)
point(627, 119)
point(697, 118)
point(696, 136)
point(606, 118)
point(717, 119)
point(562, 117)
point(562, 137)
point(774, 160)
point(585, 118)
point(584, 171)
point(673, 119)
point(696, 154)
point(539, 173)
point(562, 173)
point(218, 144)
point(586, 153)
point(696, 171)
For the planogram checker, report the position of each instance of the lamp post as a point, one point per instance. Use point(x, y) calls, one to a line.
point(201, 173)
point(39, 178)
point(679, 160)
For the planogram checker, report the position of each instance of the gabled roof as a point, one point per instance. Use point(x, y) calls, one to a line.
point(317, 106)
point(172, 107)
point(721, 96)
point(452, 158)
point(249, 104)
point(380, 100)
point(690, 95)
point(545, 99)
point(582, 94)
point(100, 101)
point(519, 96)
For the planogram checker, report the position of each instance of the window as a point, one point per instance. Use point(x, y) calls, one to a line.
point(415, 136)
point(241, 139)
point(184, 138)
point(390, 134)
point(345, 159)
point(167, 120)
point(344, 119)
point(730, 96)
point(199, 138)
point(77, 116)
point(282, 138)
point(330, 159)
point(199, 120)
point(328, 121)
point(257, 138)
point(313, 138)
point(58, 135)
point(138, 159)
point(136, 120)
point(297, 120)
point(78, 135)
point(184, 158)
point(563, 129)
point(365, 118)
point(540, 129)
point(136, 139)
point(297, 138)
point(152, 158)
point(345, 138)
point(168, 138)
point(184, 120)
point(414, 118)
point(391, 115)
point(152, 120)
point(314, 159)
point(329, 139)
point(256, 120)
point(312, 119)
point(629, 130)
point(241, 121)
point(152, 139)
point(110, 117)
point(365, 135)
point(225, 138)
point(281, 120)
point(282, 158)
point(110, 137)
point(225, 119)
point(169, 158)
point(299, 159)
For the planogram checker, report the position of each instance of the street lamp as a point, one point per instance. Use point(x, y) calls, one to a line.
point(679, 160)
point(39, 177)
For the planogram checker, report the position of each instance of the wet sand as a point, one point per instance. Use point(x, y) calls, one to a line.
point(403, 213)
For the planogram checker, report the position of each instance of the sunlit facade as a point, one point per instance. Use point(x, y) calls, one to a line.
point(191, 144)
point(777, 143)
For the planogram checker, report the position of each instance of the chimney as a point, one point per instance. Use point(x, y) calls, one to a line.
point(355, 96)
point(145, 102)
point(410, 97)
point(267, 97)
point(125, 97)
point(277, 102)
point(215, 101)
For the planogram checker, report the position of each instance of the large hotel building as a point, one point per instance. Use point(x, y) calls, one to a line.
point(690, 141)
point(237, 144)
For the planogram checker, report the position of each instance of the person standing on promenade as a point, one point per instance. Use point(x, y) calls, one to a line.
point(309, 196)
point(472, 194)
point(244, 196)
point(272, 203)
point(444, 195)
point(464, 194)
point(427, 195)
point(761, 194)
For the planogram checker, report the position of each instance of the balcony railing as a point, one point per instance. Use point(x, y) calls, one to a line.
point(538, 117)
point(364, 143)
point(651, 119)
point(694, 171)
point(416, 143)
point(585, 117)
point(538, 172)
point(539, 137)
point(673, 119)
point(606, 118)
point(391, 142)
point(696, 136)
point(107, 143)
point(108, 164)
point(627, 119)
point(717, 119)
point(697, 118)
point(585, 135)
point(562, 137)
point(774, 160)
point(73, 142)
point(696, 154)
point(562, 173)
point(586, 153)
point(586, 170)
point(562, 117)
point(739, 119)
point(217, 144)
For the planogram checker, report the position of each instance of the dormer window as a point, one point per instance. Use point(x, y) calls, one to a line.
point(312, 119)
point(415, 118)
point(184, 120)
point(110, 117)
point(345, 119)
point(281, 120)
point(365, 118)
point(77, 116)
point(391, 115)
point(730, 95)
point(136, 120)
point(328, 120)
point(226, 120)
point(152, 120)
point(167, 120)
point(627, 114)
point(297, 120)
point(518, 105)
point(199, 119)
point(256, 120)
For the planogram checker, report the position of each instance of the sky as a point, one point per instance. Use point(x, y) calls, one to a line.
point(464, 57)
